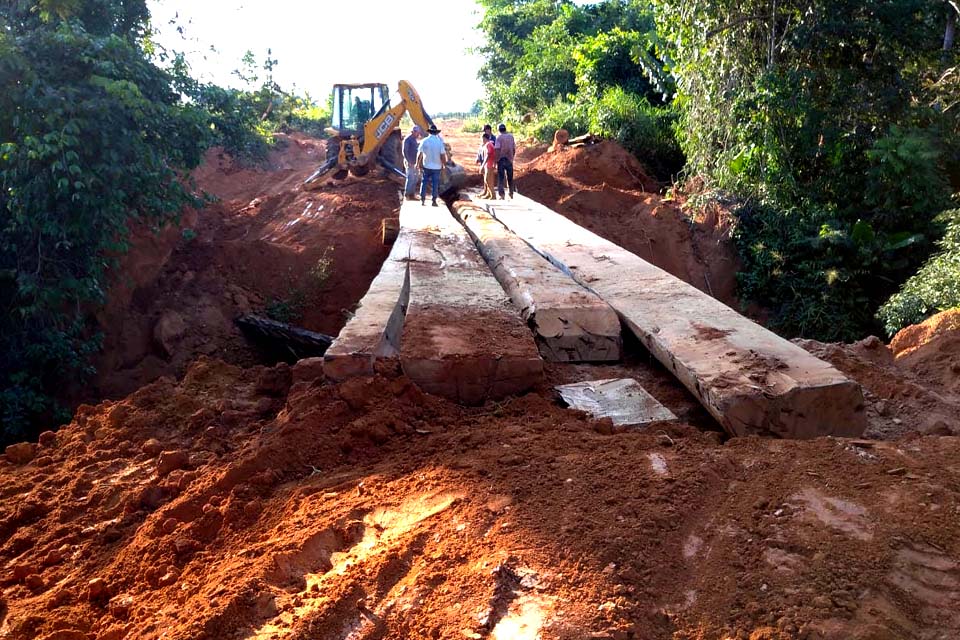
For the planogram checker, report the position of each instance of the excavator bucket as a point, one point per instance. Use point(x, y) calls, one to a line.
point(452, 179)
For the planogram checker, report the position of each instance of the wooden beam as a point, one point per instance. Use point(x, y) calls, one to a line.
point(462, 339)
point(569, 323)
point(750, 379)
point(373, 333)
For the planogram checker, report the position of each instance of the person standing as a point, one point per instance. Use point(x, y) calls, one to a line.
point(431, 158)
point(488, 167)
point(488, 131)
point(506, 148)
point(410, 148)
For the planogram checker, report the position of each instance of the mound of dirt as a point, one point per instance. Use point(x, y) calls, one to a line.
point(606, 163)
point(931, 350)
point(233, 504)
point(899, 400)
point(265, 244)
point(605, 189)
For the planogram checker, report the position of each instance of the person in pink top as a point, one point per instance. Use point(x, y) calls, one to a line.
point(488, 167)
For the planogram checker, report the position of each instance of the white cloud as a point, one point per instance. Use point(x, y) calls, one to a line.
point(320, 43)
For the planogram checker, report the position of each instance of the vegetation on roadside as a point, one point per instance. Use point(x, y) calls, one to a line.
point(243, 121)
point(585, 68)
point(98, 131)
point(834, 127)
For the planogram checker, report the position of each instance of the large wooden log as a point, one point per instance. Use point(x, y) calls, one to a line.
point(569, 323)
point(750, 379)
point(462, 339)
point(373, 332)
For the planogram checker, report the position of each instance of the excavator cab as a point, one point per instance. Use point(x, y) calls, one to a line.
point(356, 104)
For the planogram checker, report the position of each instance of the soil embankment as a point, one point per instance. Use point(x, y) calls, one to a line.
point(264, 245)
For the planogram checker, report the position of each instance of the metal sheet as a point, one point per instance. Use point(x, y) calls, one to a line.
point(622, 400)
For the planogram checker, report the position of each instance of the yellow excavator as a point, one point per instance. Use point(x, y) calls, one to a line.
point(364, 128)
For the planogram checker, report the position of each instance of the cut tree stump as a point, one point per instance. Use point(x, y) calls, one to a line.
point(750, 379)
point(462, 339)
point(569, 323)
point(373, 332)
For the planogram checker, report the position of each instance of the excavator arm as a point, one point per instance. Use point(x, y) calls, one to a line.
point(375, 131)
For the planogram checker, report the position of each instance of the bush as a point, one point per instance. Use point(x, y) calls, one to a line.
point(562, 114)
point(646, 131)
point(93, 138)
point(473, 124)
point(934, 288)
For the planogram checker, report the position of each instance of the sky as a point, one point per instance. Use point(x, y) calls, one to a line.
point(321, 43)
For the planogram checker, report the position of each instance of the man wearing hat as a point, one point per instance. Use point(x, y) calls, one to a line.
point(410, 144)
point(431, 158)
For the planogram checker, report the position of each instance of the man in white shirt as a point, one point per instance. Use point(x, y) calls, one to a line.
point(431, 158)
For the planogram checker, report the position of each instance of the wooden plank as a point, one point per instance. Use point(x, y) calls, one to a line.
point(462, 338)
point(750, 379)
point(569, 323)
point(374, 331)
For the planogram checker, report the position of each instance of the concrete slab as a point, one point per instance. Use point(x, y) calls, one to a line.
point(569, 323)
point(374, 331)
point(462, 338)
point(750, 379)
point(623, 400)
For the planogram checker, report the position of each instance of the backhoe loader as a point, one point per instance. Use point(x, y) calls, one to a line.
point(364, 127)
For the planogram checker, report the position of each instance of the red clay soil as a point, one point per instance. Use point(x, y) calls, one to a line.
point(902, 395)
point(232, 505)
point(605, 189)
point(931, 350)
point(259, 244)
point(254, 502)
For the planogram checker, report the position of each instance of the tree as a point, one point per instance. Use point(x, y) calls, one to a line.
point(93, 138)
point(815, 116)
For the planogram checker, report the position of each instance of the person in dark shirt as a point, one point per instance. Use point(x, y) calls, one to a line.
point(506, 148)
point(410, 146)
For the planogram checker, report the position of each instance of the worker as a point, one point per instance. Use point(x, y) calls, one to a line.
point(410, 144)
point(488, 167)
point(488, 130)
point(431, 158)
point(506, 148)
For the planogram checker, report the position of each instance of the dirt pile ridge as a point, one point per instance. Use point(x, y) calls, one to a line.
point(931, 350)
point(235, 505)
point(899, 397)
point(264, 244)
point(605, 189)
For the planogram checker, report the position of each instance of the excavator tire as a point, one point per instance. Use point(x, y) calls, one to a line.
point(392, 150)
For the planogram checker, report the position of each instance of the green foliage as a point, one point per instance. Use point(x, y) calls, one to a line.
point(583, 68)
point(244, 121)
point(290, 309)
point(646, 131)
point(822, 119)
point(562, 114)
point(934, 288)
point(472, 125)
point(93, 139)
